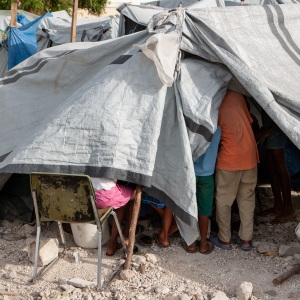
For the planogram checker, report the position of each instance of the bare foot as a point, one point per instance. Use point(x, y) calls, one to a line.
point(162, 239)
point(172, 229)
point(206, 247)
point(112, 248)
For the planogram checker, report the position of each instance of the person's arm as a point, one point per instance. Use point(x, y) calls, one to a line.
point(265, 133)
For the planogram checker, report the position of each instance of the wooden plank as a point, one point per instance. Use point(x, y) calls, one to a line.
point(13, 14)
point(135, 215)
point(74, 21)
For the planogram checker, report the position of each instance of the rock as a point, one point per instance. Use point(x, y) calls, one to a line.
point(79, 282)
point(184, 297)
point(77, 257)
point(244, 291)
point(151, 258)
point(127, 274)
point(181, 288)
point(219, 295)
point(162, 289)
point(138, 259)
point(68, 288)
point(289, 250)
point(62, 281)
point(48, 250)
point(267, 247)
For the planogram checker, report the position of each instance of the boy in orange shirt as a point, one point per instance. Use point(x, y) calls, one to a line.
point(236, 171)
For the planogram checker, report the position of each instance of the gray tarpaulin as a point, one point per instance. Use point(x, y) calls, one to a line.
point(57, 31)
point(107, 109)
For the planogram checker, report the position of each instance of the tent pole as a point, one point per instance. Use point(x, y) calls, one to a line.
point(74, 21)
point(132, 229)
point(13, 14)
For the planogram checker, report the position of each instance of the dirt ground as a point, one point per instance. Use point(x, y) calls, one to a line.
point(176, 275)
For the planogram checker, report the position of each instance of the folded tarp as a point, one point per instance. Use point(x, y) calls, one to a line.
point(22, 42)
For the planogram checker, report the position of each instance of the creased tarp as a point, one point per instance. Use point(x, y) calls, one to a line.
point(118, 121)
point(171, 3)
point(22, 42)
point(57, 31)
point(138, 14)
point(262, 49)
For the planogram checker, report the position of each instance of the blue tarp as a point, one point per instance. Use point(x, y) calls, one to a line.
point(22, 41)
point(22, 20)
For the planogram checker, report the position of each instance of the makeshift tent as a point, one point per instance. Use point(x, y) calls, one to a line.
point(143, 114)
point(134, 18)
point(57, 31)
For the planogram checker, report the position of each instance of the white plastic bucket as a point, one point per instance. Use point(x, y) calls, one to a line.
point(86, 235)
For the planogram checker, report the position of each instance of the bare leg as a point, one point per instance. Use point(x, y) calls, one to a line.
point(163, 234)
point(203, 226)
point(284, 182)
point(112, 246)
point(275, 181)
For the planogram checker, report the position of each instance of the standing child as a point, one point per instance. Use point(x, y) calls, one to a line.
point(204, 170)
point(109, 193)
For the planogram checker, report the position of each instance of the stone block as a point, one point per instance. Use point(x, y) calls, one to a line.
point(48, 250)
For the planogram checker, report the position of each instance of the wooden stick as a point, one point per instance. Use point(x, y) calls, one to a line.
point(13, 14)
point(132, 229)
point(286, 275)
point(8, 293)
point(74, 21)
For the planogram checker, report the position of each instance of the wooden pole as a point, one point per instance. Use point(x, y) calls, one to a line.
point(135, 215)
point(74, 21)
point(294, 270)
point(13, 14)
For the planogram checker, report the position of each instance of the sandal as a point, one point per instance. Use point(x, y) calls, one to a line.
point(215, 240)
point(184, 245)
point(211, 248)
point(245, 248)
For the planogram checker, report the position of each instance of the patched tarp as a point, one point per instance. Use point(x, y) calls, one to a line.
point(142, 107)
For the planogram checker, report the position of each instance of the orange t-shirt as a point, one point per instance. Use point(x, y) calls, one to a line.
point(237, 150)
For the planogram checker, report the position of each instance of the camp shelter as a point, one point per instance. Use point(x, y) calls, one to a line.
point(134, 18)
point(142, 107)
point(57, 31)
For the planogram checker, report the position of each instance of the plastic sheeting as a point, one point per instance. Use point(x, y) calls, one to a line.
point(22, 42)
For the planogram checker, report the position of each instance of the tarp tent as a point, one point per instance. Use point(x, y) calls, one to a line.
point(106, 109)
point(134, 18)
point(57, 31)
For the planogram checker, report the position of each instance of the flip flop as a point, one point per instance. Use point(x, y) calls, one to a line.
point(211, 247)
point(184, 245)
point(215, 240)
point(159, 243)
point(239, 242)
